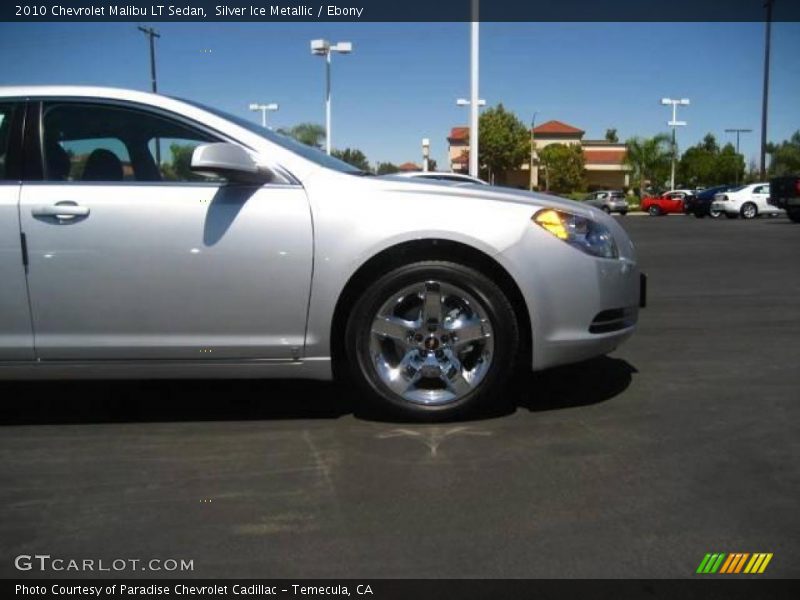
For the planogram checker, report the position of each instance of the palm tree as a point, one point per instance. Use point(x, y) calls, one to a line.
point(648, 157)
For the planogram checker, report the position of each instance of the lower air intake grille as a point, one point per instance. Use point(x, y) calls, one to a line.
point(613, 320)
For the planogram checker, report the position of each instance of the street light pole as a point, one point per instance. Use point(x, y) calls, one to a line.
point(674, 123)
point(473, 114)
point(765, 95)
point(325, 48)
point(533, 150)
point(737, 132)
point(328, 132)
point(263, 108)
point(472, 138)
point(426, 152)
point(152, 34)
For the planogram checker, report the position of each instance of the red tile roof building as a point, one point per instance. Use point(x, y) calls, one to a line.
point(604, 161)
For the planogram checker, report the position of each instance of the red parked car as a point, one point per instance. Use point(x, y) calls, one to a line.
point(665, 204)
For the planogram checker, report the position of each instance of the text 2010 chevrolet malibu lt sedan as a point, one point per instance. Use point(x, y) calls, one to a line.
point(143, 236)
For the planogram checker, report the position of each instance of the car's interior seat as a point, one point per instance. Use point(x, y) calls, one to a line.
point(58, 162)
point(102, 165)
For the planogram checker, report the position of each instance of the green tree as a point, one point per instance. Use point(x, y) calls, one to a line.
point(649, 159)
point(729, 166)
point(709, 144)
point(611, 135)
point(386, 168)
point(177, 166)
point(353, 156)
point(706, 164)
point(564, 165)
point(697, 166)
point(785, 157)
point(504, 142)
point(309, 134)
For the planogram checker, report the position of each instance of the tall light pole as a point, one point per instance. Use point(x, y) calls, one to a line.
point(533, 150)
point(737, 132)
point(426, 153)
point(325, 48)
point(765, 94)
point(474, 106)
point(674, 123)
point(263, 108)
point(473, 138)
point(152, 34)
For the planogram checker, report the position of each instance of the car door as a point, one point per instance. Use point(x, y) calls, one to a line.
point(760, 197)
point(675, 202)
point(16, 336)
point(134, 256)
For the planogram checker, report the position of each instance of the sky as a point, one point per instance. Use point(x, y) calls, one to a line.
point(401, 82)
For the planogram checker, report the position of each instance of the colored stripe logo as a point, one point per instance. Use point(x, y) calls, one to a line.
point(734, 563)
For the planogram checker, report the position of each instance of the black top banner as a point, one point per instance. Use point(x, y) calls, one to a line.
point(405, 11)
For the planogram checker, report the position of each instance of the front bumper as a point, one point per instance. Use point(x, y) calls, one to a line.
point(580, 306)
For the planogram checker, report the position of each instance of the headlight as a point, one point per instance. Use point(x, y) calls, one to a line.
point(582, 233)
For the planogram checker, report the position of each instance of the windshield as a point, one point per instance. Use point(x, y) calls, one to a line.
point(284, 141)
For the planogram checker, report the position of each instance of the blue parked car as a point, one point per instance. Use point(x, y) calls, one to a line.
point(699, 204)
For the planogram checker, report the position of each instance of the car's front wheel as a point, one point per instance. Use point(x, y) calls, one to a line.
point(714, 214)
point(431, 340)
point(749, 210)
point(793, 214)
point(654, 211)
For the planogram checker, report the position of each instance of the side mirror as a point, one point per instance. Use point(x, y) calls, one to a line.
point(229, 161)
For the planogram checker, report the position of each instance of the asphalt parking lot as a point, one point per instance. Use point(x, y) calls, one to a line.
point(684, 441)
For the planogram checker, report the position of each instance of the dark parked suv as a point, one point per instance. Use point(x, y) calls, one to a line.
point(784, 192)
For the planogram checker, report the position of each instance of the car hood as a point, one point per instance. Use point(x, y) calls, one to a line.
point(433, 189)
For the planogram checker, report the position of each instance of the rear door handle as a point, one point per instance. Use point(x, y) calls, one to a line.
point(62, 210)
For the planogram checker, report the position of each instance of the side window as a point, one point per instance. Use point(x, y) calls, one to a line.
point(79, 152)
point(109, 143)
point(6, 111)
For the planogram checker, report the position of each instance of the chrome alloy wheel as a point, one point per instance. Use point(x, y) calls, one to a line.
point(431, 343)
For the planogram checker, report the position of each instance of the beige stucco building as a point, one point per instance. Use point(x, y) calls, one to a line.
point(604, 161)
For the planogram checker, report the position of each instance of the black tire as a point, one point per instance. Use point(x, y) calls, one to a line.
point(376, 396)
point(606, 210)
point(654, 211)
point(714, 214)
point(622, 213)
point(793, 214)
point(748, 210)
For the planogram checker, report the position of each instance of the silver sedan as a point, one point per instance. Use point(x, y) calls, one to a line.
point(146, 236)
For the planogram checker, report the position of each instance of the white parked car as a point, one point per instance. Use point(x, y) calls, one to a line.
point(746, 201)
point(143, 236)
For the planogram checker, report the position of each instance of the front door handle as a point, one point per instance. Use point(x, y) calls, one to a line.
point(62, 210)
